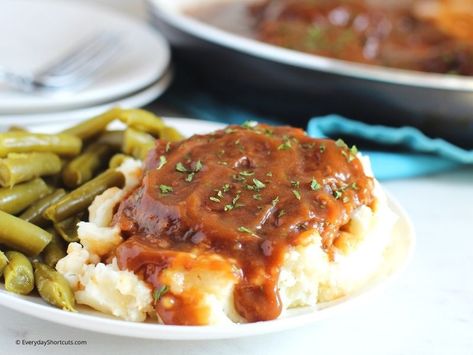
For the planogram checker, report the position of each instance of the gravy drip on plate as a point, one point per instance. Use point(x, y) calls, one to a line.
point(246, 193)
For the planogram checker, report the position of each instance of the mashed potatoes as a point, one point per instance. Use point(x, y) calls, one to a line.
point(206, 283)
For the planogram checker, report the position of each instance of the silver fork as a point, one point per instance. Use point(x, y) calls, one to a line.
point(71, 71)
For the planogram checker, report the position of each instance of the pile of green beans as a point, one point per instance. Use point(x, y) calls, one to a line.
point(47, 183)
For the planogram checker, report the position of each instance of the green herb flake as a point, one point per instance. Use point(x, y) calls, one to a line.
point(314, 185)
point(159, 292)
point(168, 147)
point(239, 178)
point(214, 199)
point(295, 183)
point(249, 124)
point(226, 187)
point(190, 177)
point(297, 194)
point(337, 194)
point(258, 184)
point(268, 132)
point(285, 145)
point(257, 197)
point(341, 143)
point(322, 148)
point(181, 168)
point(165, 189)
point(245, 230)
point(162, 162)
point(281, 213)
point(354, 186)
point(246, 173)
point(198, 166)
point(228, 208)
point(275, 201)
point(354, 150)
point(269, 174)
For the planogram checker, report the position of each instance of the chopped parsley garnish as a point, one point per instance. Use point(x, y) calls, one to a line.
point(297, 194)
point(341, 143)
point(322, 148)
point(269, 174)
point(314, 185)
point(165, 189)
point(258, 184)
point(249, 124)
point(238, 178)
point(162, 162)
point(246, 173)
point(198, 166)
point(295, 183)
point(160, 292)
point(190, 177)
point(245, 230)
point(281, 213)
point(257, 197)
point(191, 173)
point(214, 199)
point(337, 194)
point(181, 168)
point(226, 187)
point(352, 152)
point(275, 201)
point(286, 145)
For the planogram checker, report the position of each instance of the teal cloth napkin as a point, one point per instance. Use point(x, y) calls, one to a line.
point(424, 155)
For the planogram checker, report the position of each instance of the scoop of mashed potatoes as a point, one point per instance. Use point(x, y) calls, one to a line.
point(205, 283)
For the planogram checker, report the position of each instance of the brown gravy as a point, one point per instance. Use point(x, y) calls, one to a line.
point(245, 193)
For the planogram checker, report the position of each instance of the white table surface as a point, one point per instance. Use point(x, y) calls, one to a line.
point(429, 310)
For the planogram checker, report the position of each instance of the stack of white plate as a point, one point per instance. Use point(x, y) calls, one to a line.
point(36, 33)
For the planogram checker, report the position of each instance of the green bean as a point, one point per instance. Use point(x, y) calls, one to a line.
point(18, 273)
point(79, 200)
point(3, 262)
point(34, 213)
point(67, 228)
point(21, 235)
point(55, 250)
point(16, 168)
point(117, 160)
point(170, 134)
point(142, 120)
point(26, 142)
point(137, 143)
point(114, 139)
point(94, 126)
point(16, 129)
point(82, 168)
point(53, 287)
point(16, 199)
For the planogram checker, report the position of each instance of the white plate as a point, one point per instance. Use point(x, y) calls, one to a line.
point(395, 261)
point(137, 99)
point(35, 33)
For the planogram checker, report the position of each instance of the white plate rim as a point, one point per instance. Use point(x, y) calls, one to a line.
point(171, 12)
point(136, 99)
point(105, 324)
